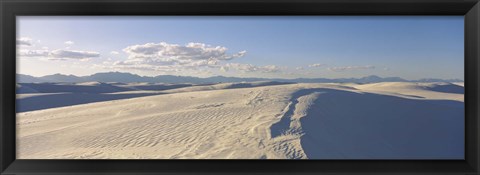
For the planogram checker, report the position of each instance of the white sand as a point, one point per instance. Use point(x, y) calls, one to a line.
point(420, 90)
point(242, 121)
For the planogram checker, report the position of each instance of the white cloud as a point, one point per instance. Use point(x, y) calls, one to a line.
point(269, 69)
point(114, 53)
point(33, 53)
point(250, 68)
point(299, 68)
point(69, 43)
point(191, 52)
point(224, 69)
point(24, 41)
point(315, 65)
point(73, 54)
point(164, 56)
point(59, 54)
point(347, 68)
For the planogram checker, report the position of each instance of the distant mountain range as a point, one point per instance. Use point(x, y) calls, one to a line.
point(130, 78)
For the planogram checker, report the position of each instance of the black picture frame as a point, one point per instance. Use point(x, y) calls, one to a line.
point(9, 9)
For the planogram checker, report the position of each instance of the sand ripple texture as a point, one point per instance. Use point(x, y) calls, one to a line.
point(289, 121)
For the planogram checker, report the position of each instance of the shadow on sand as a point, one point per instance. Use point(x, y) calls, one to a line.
point(26, 88)
point(448, 88)
point(46, 101)
point(342, 124)
point(70, 94)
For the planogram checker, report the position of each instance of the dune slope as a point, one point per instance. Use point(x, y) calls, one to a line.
point(38, 96)
point(292, 121)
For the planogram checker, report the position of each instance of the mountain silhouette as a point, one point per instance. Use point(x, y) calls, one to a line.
point(122, 77)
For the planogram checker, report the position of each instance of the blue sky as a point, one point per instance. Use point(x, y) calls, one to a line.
point(411, 47)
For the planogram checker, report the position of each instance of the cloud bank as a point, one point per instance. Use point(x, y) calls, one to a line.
point(161, 56)
point(24, 41)
point(178, 53)
point(348, 68)
point(250, 68)
point(58, 54)
point(315, 65)
point(73, 54)
point(69, 42)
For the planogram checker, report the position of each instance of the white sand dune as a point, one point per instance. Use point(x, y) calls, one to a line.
point(460, 84)
point(38, 96)
point(92, 83)
point(226, 86)
point(87, 87)
point(273, 121)
point(153, 86)
point(417, 90)
point(68, 94)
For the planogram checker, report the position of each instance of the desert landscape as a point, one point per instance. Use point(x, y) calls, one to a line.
point(240, 87)
point(244, 120)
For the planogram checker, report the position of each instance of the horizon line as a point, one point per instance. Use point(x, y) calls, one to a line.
point(242, 77)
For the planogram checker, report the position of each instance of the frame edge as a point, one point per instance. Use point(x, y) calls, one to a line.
point(472, 55)
point(8, 158)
